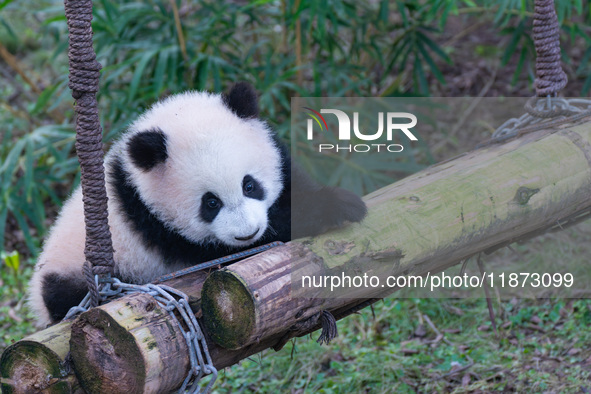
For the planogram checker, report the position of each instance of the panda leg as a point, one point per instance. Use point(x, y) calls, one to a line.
point(60, 293)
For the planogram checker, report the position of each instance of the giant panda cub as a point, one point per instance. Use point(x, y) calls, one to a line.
point(196, 177)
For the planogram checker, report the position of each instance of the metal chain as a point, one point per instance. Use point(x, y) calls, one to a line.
point(541, 112)
point(169, 299)
point(550, 79)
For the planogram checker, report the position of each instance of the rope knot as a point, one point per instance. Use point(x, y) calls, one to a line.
point(550, 78)
point(84, 69)
point(84, 82)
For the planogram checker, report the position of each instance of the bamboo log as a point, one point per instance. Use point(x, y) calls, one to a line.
point(233, 298)
point(423, 224)
point(137, 353)
point(117, 347)
point(130, 345)
point(38, 363)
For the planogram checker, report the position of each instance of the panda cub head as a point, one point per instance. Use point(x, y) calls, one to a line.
point(204, 166)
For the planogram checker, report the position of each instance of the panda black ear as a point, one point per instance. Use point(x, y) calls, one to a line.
point(242, 100)
point(147, 148)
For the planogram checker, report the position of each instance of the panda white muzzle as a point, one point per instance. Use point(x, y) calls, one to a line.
point(248, 237)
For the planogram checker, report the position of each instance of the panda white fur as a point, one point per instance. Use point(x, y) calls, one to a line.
point(196, 177)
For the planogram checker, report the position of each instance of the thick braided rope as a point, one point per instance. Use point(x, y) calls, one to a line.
point(84, 82)
point(550, 78)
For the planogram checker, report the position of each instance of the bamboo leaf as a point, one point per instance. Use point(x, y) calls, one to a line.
point(28, 169)
point(4, 3)
point(138, 74)
point(431, 63)
point(10, 165)
point(44, 98)
point(3, 216)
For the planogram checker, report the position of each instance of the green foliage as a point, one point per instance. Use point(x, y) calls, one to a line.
point(413, 47)
point(331, 48)
point(13, 279)
point(522, 39)
point(12, 261)
point(32, 167)
point(223, 41)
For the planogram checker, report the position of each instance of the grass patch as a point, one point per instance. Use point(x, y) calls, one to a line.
point(15, 320)
point(395, 352)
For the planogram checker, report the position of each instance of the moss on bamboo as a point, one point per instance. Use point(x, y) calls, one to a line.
point(228, 309)
point(38, 363)
point(126, 365)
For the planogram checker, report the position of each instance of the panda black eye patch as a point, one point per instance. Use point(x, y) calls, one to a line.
point(210, 207)
point(252, 189)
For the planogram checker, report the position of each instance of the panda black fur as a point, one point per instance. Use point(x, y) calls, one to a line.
point(196, 177)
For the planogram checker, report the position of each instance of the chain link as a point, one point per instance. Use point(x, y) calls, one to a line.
point(172, 299)
point(542, 110)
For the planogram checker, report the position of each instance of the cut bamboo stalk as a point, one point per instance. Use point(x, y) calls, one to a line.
point(128, 346)
point(38, 363)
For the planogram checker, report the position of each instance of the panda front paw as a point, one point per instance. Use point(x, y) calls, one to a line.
point(343, 206)
point(327, 208)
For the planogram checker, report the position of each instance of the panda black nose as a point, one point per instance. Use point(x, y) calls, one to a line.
point(246, 238)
